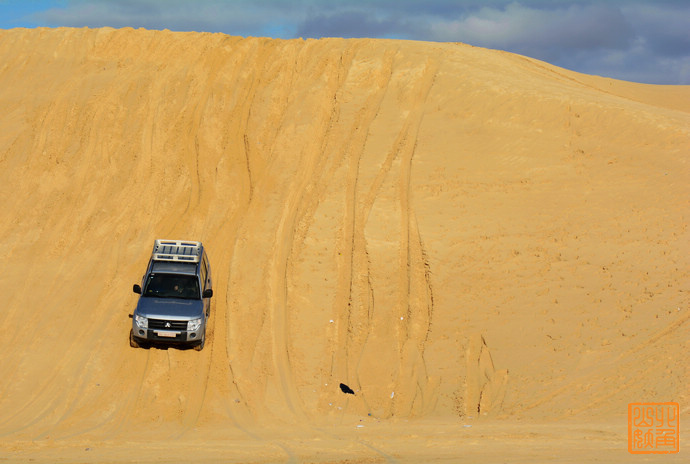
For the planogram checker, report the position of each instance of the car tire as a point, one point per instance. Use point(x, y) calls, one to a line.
point(200, 346)
point(132, 341)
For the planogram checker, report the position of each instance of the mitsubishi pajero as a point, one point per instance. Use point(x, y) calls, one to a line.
point(175, 296)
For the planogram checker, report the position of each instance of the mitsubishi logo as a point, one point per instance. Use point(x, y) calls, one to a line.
point(167, 325)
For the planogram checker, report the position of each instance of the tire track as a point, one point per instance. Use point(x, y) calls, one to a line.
point(353, 263)
point(219, 358)
point(413, 283)
point(252, 57)
point(196, 395)
point(61, 406)
point(608, 369)
point(209, 67)
point(341, 149)
point(287, 233)
point(244, 55)
point(248, 319)
point(247, 96)
point(127, 407)
point(416, 295)
point(114, 424)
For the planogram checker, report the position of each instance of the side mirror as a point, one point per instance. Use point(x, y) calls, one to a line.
point(208, 293)
point(136, 289)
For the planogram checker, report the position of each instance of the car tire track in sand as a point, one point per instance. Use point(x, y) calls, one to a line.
point(247, 313)
point(80, 350)
point(57, 408)
point(343, 149)
point(333, 155)
point(190, 372)
point(116, 423)
point(606, 371)
point(262, 323)
point(416, 296)
point(411, 323)
point(288, 232)
point(216, 353)
point(347, 146)
point(196, 394)
point(237, 146)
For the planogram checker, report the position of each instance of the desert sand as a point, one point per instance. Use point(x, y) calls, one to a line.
point(491, 251)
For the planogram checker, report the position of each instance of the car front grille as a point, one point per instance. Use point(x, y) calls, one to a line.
point(167, 325)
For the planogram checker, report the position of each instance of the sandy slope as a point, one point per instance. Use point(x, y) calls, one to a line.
point(463, 236)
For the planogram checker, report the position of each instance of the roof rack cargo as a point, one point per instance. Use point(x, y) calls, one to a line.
point(177, 250)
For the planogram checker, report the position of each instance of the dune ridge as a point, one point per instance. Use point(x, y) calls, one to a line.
point(455, 233)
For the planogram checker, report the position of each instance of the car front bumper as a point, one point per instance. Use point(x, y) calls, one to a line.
point(168, 335)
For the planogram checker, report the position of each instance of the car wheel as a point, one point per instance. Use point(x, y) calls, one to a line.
point(132, 341)
point(200, 346)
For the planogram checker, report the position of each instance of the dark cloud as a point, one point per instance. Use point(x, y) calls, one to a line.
point(542, 33)
point(347, 24)
point(665, 31)
point(236, 18)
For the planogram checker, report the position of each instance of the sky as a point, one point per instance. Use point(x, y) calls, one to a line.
point(635, 40)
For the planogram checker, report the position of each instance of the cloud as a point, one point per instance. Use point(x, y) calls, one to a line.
point(666, 31)
point(354, 23)
point(237, 18)
point(548, 33)
point(644, 42)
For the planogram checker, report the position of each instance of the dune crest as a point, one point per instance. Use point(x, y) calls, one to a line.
point(449, 231)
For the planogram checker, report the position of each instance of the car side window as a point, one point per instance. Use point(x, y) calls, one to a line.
point(208, 269)
point(204, 273)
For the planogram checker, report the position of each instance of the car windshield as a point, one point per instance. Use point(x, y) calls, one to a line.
point(172, 286)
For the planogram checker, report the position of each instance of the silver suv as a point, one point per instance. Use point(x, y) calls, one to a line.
point(175, 300)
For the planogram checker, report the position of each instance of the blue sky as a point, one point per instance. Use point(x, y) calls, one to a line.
point(636, 40)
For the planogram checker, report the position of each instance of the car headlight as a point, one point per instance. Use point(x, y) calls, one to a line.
point(142, 322)
point(194, 324)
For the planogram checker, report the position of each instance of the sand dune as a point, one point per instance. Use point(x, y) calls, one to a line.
point(462, 236)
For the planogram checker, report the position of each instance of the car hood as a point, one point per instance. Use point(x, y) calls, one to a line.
point(170, 308)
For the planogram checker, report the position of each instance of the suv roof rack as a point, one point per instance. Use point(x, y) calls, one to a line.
point(177, 250)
